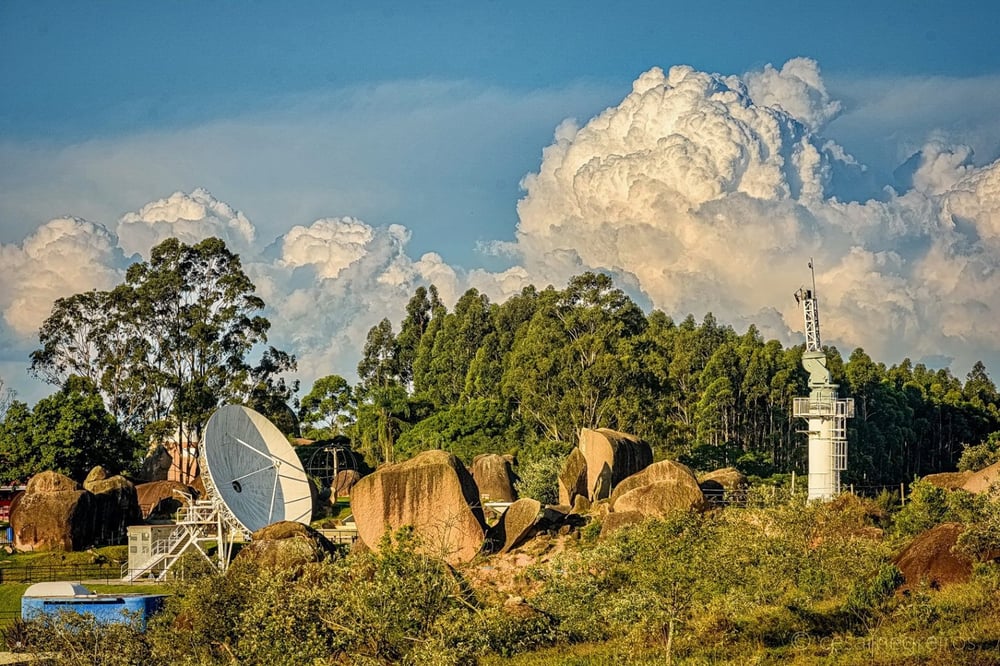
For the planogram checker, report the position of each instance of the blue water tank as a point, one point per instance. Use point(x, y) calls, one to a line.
point(59, 597)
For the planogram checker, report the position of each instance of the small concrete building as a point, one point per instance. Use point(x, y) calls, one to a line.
point(142, 540)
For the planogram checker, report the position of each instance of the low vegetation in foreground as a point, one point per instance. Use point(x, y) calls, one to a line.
point(773, 582)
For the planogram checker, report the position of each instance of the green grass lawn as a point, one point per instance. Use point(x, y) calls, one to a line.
point(108, 559)
point(109, 555)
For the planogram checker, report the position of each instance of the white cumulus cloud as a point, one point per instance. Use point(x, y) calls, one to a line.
point(62, 257)
point(712, 192)
point(703, 192)
point(188, 217)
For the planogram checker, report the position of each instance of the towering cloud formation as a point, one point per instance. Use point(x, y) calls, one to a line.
point(62, 257)
point(189, 217)
point(705, 192)
point(712, 192)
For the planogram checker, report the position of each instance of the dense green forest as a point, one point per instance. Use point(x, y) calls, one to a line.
point(161, 351)
point(525, 375)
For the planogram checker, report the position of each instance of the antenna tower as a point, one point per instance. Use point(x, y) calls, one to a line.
point(825, 412)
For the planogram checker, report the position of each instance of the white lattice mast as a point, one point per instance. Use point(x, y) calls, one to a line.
point(824, 411)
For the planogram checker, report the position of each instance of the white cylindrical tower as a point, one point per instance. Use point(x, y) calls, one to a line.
point(824, 411)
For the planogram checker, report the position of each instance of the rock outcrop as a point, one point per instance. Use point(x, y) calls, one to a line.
point(156, 465)
point(658, 490)
point(985, 480)
point(115, 505)
point(494, 477)
point(573, 478)
point(432, 492)
point(161, 500)
point(726, 481)
point(948, 480)
point(343, 483)
point(285, 545)
point(515, 525)
point(611, 457)
point(930, 558)
point(54, 513)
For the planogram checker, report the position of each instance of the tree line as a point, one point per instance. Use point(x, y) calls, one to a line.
point(156, 355)
point(525, 375)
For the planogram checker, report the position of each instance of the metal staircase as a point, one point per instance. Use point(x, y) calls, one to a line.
point(198, 523)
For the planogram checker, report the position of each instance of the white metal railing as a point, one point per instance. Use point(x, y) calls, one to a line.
point(197, 513)
point(840, 455)
point(808, 408)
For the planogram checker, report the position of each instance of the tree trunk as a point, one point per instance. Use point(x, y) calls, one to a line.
point(670, 641)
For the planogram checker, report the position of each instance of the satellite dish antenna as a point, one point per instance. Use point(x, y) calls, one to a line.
point(251, 471)
point(252, 478)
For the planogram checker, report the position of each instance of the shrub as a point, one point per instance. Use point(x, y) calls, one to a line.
point(982, 455)
point(926, 506)
point(929, 505)
point(871, 598)
point(71, 639)
point(539, 479)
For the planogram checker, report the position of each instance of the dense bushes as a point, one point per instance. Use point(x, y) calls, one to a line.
point(746, 583)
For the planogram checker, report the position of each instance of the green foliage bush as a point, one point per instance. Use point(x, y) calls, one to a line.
point(539, 479)
point(69, 639)
point(735, 583)
point(981, 455)
point(928, 505)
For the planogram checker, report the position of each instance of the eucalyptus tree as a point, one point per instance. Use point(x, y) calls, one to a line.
point(461, 335)
point(420, 309)
point(383, 405)
point(328, 409)
point(170, 344)
point(69, 338)
point(566, 371)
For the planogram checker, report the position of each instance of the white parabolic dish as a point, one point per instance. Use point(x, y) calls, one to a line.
point(254, 470)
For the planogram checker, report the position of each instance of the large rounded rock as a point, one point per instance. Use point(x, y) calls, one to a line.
point(611, 457)
point(729, 478)
point(285, 545)
point(515, 525)
point(658, 490)
point(726, 481)
point(50, 482)
point(156, 465)
point(432, 492)
point(494, 477)
point(115, 505)
point(53, 514)
point(96, 475)
point(344, 482)
point(985, 480)
point(930, 558)
point(159, 500)
point(573, 478)
point(948, 480)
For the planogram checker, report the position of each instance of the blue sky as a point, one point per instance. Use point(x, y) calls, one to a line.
point(125, 64)
point(429, 115)
point(76, 72)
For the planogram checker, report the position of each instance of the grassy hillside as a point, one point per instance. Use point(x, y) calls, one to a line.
point(777, 581)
